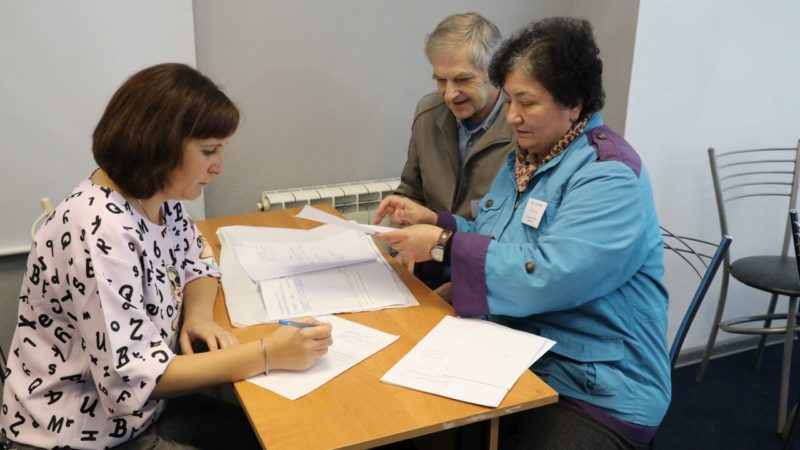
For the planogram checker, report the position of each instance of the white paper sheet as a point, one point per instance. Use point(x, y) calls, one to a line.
point(264, 261)
point(310, 213)
point(468, 359)
point(357, 287)
point(352, 343)
point(242, 297)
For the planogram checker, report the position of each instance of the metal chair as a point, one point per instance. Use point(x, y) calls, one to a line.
point(740, 174)
point(793, 424)
point(704, 258)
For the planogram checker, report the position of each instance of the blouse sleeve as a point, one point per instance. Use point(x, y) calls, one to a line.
point(127, 351)
point(199, 257)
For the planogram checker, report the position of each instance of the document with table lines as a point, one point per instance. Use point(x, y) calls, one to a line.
point(356, 287)
point(471, 360)
point(373, 285)
point(268, 260)
point(352, 343)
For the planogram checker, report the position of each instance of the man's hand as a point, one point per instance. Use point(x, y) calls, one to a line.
point(403, 211)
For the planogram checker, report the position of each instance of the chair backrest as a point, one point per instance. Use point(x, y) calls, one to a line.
point(704, 258)
point(762, 172)
point(793, 222)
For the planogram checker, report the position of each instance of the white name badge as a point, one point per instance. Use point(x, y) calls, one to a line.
point(534, 211)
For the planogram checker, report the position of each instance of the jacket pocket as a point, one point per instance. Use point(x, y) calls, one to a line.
point(491, 209)
point(590, 362)
point(585, 348)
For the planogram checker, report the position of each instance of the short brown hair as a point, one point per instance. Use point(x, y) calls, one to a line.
point(140, 137)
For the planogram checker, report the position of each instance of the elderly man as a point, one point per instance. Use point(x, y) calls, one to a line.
point(459, 138)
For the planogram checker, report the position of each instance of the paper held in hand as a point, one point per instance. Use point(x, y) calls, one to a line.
point(268, 260)
point(354, 287)
point(471, 360)
point(311, 213)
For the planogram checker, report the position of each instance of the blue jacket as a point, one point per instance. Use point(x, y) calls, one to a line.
point(589, 276)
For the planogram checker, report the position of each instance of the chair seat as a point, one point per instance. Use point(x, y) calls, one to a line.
point(775, 274)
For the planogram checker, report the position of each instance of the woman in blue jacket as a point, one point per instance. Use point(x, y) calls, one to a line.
point(566, 246)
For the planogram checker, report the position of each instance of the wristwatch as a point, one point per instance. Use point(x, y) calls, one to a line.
point(437, 252)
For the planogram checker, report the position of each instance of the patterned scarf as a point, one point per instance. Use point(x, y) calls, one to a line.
point(526, 164)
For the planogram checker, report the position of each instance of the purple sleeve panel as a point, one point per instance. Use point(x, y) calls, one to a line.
point(610, 146)
point(446, 221)
point(468, 273)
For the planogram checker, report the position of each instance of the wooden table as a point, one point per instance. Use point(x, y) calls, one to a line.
point(355, 410)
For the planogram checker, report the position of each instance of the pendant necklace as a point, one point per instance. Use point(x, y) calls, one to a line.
point(144, 210)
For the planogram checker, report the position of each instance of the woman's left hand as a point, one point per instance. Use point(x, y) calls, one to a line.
point(208, 331)
point(413, 242)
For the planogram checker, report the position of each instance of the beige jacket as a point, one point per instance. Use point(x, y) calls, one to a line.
point(431, 174)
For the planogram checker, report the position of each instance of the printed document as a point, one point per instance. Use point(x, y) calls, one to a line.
point(356, 287)
point(352, 343)
point(471, 360)
point(243, 297)
point(264, 261)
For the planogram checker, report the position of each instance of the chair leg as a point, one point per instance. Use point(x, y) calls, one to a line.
point(789, 433)
point(791, 324)
point(791, 426)
point(762, 341)
point(712, 335)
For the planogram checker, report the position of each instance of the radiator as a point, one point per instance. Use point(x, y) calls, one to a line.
point(356, 200)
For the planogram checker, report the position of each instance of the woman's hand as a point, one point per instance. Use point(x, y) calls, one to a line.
point(214, 336)
point(403, 211)
point(296, 348)
point(414, 243)
point(407, 264)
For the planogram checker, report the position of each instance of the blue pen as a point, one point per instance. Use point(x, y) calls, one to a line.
point(295, 324)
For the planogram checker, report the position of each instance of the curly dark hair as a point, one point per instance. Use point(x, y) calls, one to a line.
point(140, 137)
point(561, 54)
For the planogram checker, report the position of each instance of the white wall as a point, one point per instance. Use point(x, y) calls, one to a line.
point(328, 89)
point(713, 73)
point(61, 64)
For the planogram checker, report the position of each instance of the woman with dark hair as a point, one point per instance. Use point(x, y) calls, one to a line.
point(566, 246)
point(100, 312)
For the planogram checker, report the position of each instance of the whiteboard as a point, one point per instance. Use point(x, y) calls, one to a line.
point(62, 61)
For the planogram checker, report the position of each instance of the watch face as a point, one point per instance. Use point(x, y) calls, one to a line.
point(437, 253)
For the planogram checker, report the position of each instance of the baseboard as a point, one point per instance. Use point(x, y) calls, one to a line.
point(724, 348)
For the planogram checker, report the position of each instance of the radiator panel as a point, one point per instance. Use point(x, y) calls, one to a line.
point(356, 200)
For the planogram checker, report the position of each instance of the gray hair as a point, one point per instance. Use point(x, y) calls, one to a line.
point(481, 37)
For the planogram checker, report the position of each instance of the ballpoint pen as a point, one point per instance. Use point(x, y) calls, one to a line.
point(296, 324)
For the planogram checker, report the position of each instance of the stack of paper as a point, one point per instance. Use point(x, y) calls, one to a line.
point(470, 360)
point(352, 343)
point(353, 287)
point(268, 260)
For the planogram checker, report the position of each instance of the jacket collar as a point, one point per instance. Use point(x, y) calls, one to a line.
point(595, 120)
point(499, 132)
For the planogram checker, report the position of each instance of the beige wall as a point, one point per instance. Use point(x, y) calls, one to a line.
point(328, 88)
